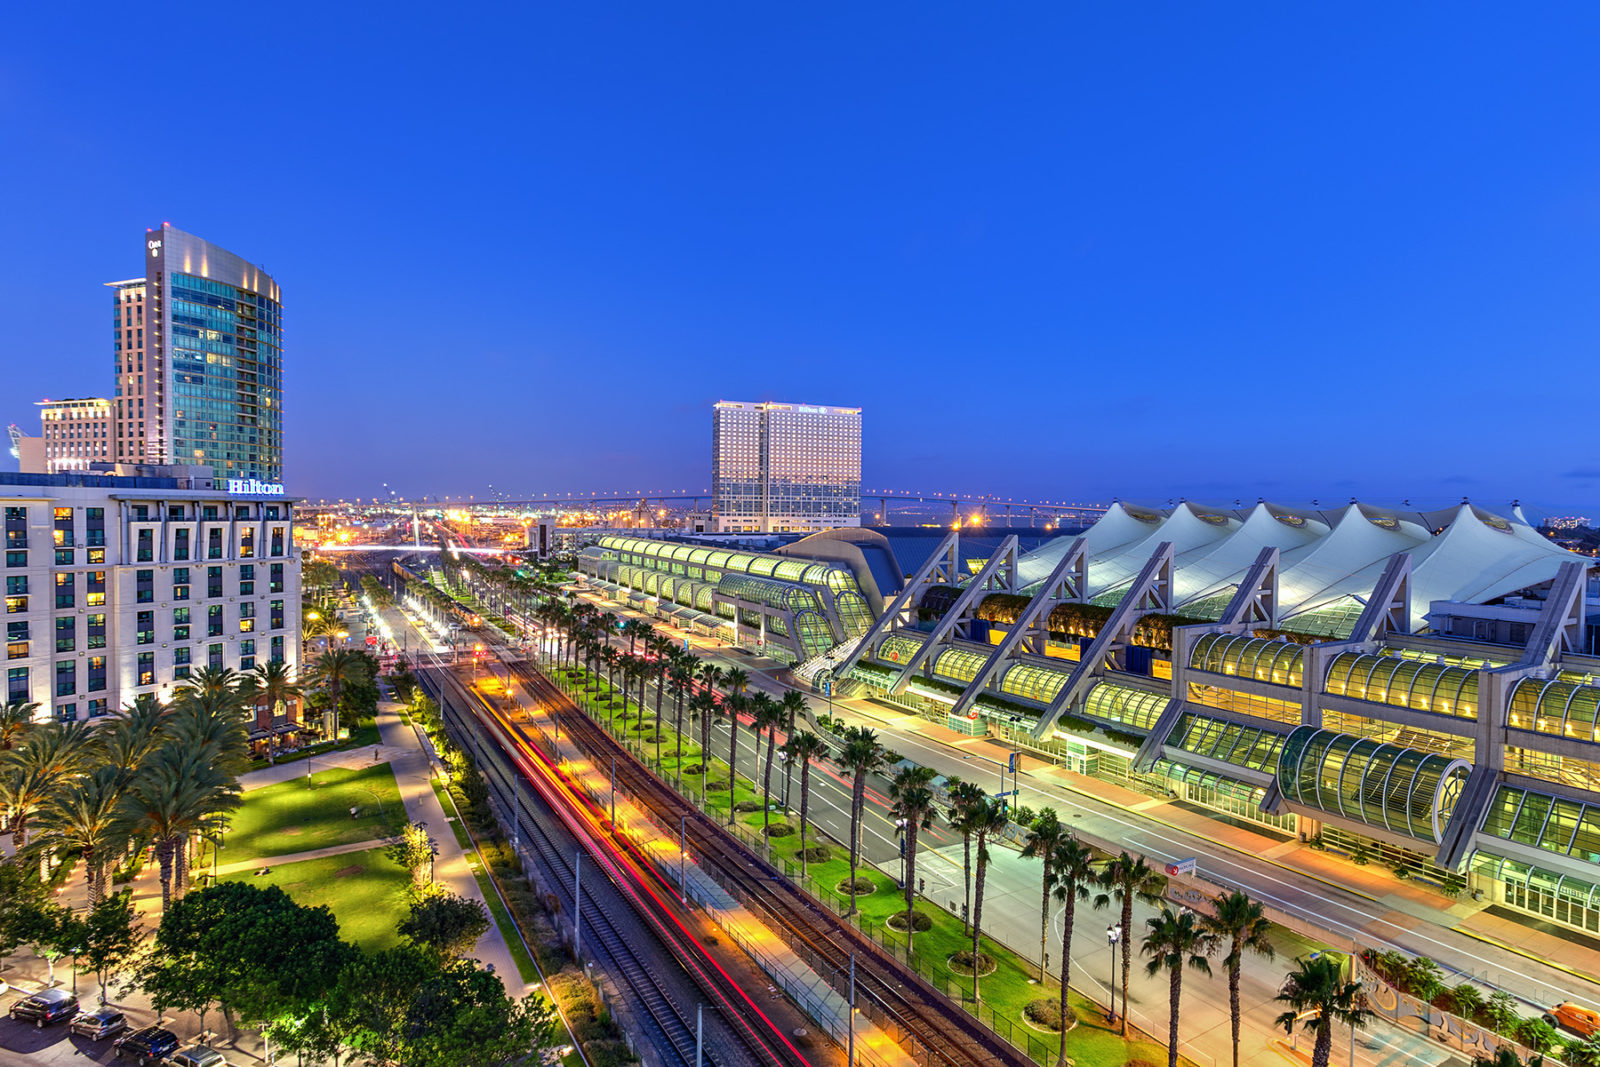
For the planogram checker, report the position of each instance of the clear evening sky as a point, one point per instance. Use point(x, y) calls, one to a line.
point(1054, 250)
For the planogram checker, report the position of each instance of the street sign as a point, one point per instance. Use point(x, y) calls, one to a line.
point(372, 639)
point(1183, 866)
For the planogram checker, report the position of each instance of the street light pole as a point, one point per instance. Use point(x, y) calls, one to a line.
point(1113, 935)
point(683, 861)
point(850, 1015)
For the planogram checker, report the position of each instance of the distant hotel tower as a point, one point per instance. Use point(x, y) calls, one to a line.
point(782, 467)
point(198, 343)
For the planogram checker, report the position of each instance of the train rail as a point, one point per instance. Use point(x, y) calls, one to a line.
point(944, 1034)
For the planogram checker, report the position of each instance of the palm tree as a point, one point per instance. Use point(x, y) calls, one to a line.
point(33, 770)
point(731, 707)
point(1176, 940)
point(630, 667)
point(85, 815)
point(129, 739)
point(710, 676)
point(860, 756)
point(1319, 998)
point(704, 706)
point(16, 719)
point(794, 705)
point(913, 803)
point(768, 716)
point(271, 684)
point(612, 656)
point(804, 747)
point(1125, 879)
point(736, 681)
point(336, 669)
point(1242, 923)
point(681, 675)
point(963, 797)
point(987, 818)
point(177, 794)
point(1045, 837)
point(1072, 869)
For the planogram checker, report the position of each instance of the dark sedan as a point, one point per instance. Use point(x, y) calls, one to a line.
point(45, 1007)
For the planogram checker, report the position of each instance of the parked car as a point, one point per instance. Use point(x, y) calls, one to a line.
point(1585, 1022)
point(147, 1046)
point(45, 1007)
point(197, 1056)
point(99, 1024)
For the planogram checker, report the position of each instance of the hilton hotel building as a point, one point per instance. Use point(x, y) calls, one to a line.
point(121, 581)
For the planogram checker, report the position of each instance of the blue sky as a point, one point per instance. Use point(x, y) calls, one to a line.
point(1215, 251)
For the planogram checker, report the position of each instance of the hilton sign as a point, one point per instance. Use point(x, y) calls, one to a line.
point(251, 487)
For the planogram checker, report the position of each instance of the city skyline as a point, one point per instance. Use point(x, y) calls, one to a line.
point(1303, 241)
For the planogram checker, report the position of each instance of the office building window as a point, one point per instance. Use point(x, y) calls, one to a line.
point(63, 528)
point(17, 683)
point(247, 542)
point(96, 556)
point(277, 541)
point(146, 548)
point(97, 708)
point(213, 582)
point(208, 511)
point(145, 628)
point(214, 621)
point(97, 674)
point(16, 528)
point(66, 589)
point(94, 521)
point(16, 605)
point(275, 581)
point(180, 655)
point(16, 650)
point(66, 634)
point(180, 624)
point(95, 588)
point(214, 543)
point(63, 557)
point(277, 650)
point(247, 583)
point(95, 631)
point(16, 584)
point(180, 548)
point(16, 559)
point(214, 657)
point(66, 678)
point(147, 669)
point(66, 712)
point(144, 586)
point(275, 614)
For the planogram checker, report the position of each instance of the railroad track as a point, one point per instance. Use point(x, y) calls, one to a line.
point(675, 1023)
point(948, 1035)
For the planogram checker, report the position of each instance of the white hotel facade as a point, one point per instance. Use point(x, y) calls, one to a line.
point(121, 583)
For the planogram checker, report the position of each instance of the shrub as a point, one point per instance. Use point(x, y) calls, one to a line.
point(747, 806)
point(1044, 1013)
point(1465, 1000)
point(695, 769)
point(779, 829)
point(920, 921)
point(1538, 1035)
point(817, 854)
point(863, 886)
point(961, 963)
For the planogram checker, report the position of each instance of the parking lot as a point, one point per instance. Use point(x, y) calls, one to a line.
point(22, 1043)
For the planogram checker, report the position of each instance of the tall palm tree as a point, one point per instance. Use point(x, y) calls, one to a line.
point(731, 707)
point(32, 772)
point(1318, 999)
point(137, 731)
point(860, 756)
point(1045, 837)
point(794, 705)
point(984, 820)
point(1072, 869)
point(16, 719)
point(336, 669)
point(912, 801)
point(736, 681)
point(710, 676)
point(768, 717)
point(704, 706)
point(1243, 924)
point(85, 815)
point(1126, 879)
point(178, 793)
point(1175, 940)
point(612, 656)
point(964, 796)
point(681, 675)
point(272, 683)
point(213, 680)
point(804, 747)
point(631, 668)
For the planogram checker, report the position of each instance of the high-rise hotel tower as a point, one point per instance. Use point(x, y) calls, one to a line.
point(783, 467)
point(198, 343)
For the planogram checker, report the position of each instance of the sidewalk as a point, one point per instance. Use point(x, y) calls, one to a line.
point(295, 857)
point(349, 759)
point(413, 771)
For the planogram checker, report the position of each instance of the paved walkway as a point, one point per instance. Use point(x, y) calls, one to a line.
point(413, 770)
point(349, 759)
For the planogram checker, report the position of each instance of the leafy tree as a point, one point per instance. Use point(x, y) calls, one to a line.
point(445, 923)
point(912, 798)
point(1176, 940)
point(1318, 999)
point(1242, 923)
point(20, 892)
point(1581, 1053)
point(47, 926)
point(109, 936)
point(413, 850)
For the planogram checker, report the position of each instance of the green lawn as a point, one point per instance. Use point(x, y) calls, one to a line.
point(365, 890)
point(1004, 992)
point(304, 814)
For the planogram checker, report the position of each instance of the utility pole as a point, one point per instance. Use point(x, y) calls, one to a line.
point(613, 792)
point(683, 861)
point(850, 1015)
point(577, 906)
point(699, 1034)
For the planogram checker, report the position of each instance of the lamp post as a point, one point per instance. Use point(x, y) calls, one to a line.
point(1113, 935)
point(900, 835)
point(683, 861)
